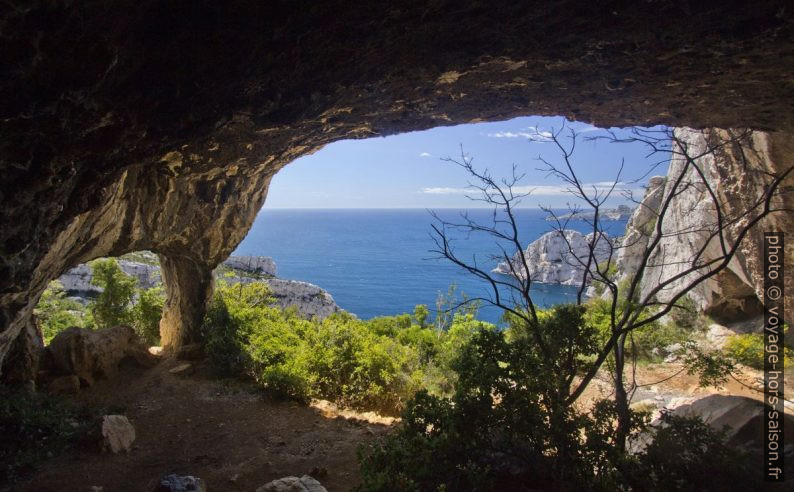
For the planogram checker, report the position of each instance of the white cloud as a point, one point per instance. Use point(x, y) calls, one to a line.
point(535, 190)
point(530, 133)
point(425, 154)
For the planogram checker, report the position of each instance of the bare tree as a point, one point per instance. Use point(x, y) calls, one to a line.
point(636, 300)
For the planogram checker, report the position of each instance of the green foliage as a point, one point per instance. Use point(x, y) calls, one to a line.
point(374, 365)
point(113, 306)
point(55, 312)
point(421, 312)
point(34, 427)
point(146, 314)
point(610, 271)
point(748, 349)
point(119, 303)
point(502, 428)
point(646, 342)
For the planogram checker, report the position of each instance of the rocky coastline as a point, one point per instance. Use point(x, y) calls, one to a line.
point(310, 300)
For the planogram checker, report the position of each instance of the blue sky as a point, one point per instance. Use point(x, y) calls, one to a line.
point(407, 170)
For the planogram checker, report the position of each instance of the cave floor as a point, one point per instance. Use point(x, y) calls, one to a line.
point(235, 438)
point(222, 431)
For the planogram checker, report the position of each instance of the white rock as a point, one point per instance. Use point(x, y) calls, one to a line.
point(260, 265)
point(118, 434)
point(309, 299)
point(557, 257)
point(293, 484)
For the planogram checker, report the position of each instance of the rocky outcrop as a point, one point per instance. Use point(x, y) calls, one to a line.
point(77, 281)
point(309, 299)
point(742, 417)
point(639, 229)
point(257, 265)
point(141, 127)
point(558, 257)
point(90, 354)
point(738, 177)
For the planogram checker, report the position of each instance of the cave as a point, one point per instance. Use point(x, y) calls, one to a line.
point(153, 126)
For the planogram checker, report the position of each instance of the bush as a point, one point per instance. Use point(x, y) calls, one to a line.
point(499, 430)
point(748, 349)
point(146, 314)
point(34, 427)
point(372, 365)
point(112, 307)
point(502, 430)
point(55, 312)
point(119, 303)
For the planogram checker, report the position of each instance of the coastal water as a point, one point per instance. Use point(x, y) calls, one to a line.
point(378, 262)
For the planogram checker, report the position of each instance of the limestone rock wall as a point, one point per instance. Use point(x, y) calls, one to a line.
point(739, 177)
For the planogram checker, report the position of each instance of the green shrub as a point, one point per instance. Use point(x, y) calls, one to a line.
point(222, 344)
point(55, 312)
point(113, 306)
point(34, 427)
point(372, 365)
point(500, 429)
point(748, 349)
point(503, 430)
point(146, 314)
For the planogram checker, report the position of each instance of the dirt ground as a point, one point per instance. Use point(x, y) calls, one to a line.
point(235, 438)
point(224, 432)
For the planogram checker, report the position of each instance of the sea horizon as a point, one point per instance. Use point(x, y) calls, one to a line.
point(380, 263)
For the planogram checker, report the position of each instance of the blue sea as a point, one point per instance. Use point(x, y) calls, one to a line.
point(377, 262)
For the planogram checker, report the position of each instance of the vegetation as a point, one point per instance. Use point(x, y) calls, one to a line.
point(120, 303)
point(748, 349)
point(503, 429)
point(113, 306)
point(146, 314)
point(36, 426)
point(55, 312)
point(375, 365)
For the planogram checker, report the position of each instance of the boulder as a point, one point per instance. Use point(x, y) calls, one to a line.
point(118, 434)
point(178, 483)
point(92, 354)
point(741, 417)
point(293, 484)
